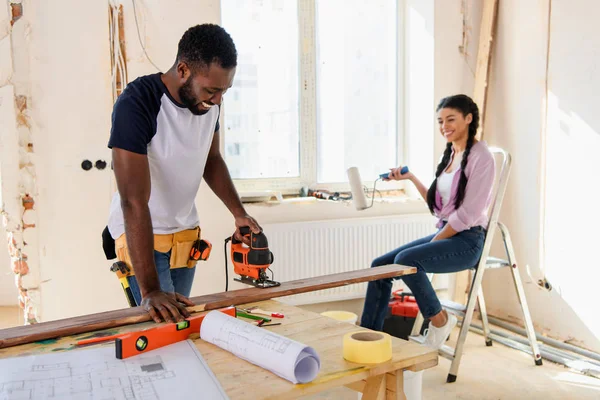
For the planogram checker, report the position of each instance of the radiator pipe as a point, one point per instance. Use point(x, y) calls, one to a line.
point(582, 366)
point(547, 340)
point(555, 351)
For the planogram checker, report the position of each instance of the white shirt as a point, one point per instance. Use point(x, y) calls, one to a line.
point(444, 185)
point(147, 120)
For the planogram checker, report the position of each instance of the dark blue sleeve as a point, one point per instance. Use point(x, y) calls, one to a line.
point(133, 125)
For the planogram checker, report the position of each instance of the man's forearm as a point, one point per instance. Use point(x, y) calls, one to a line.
point(140, 243)
point(218, 179)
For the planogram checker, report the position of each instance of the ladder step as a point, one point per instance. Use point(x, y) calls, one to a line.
point(453, 306)
point(447, 352)
point(495, 262)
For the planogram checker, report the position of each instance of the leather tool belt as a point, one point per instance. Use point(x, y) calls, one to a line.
point(179, 243)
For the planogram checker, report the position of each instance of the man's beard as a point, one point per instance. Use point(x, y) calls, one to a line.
point(188, 99)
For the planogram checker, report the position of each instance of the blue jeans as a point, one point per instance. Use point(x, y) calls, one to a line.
point(458, 253)
point(171, 280)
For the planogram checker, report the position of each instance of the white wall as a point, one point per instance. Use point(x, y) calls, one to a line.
point(517, 119)
point(572, 148)
point(457, 24)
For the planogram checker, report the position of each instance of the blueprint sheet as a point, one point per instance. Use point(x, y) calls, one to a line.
point(287, 358)
point(177, 371)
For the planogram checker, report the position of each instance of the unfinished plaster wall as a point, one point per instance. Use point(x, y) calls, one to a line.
point(72, 103)
point(8, 290)
point(19, 191)
point(568, 132)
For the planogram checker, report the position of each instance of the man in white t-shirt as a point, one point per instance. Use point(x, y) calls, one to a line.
point(165, 140)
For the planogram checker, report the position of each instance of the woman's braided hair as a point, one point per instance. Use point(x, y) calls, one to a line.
point(466, 106)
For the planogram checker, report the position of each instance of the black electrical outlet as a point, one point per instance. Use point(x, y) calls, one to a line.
point(86, 165)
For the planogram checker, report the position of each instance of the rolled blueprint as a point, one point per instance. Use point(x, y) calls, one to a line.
point(356, 187)
point(284, 357)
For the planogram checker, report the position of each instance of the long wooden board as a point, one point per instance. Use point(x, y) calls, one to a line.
point(110, 319)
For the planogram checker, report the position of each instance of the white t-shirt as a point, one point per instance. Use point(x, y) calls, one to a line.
point(147, 120)
point(444, 185)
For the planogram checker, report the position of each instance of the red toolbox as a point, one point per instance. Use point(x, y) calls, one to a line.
point(402, 312)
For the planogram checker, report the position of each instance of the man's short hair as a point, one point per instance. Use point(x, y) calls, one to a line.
point(204, 44)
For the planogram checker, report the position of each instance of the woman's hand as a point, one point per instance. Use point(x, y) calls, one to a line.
point(396, 175)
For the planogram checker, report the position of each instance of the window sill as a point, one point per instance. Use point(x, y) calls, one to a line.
point(298, 209)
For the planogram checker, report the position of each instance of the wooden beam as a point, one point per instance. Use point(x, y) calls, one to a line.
point(110, 319)
point(486, 35)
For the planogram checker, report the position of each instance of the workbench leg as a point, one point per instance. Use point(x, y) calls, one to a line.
point(375, 388)
point(394, 382)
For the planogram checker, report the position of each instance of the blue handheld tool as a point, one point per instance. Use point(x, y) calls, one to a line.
point(386, 174)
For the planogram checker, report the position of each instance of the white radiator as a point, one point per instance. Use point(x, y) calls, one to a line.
point(308, 249)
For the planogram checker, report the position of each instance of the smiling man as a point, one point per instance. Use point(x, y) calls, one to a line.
point(164, 140)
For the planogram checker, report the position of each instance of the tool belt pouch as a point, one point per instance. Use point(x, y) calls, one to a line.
point(122, 253)
point(179, 243)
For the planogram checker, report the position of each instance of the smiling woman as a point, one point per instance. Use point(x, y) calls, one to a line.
point(462, 220)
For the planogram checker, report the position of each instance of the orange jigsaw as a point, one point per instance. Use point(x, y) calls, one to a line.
point(251, 262)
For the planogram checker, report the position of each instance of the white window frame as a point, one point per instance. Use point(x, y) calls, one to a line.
point(308, 114)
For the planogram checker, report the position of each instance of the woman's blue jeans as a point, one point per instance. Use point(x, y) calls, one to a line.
point(457, 253)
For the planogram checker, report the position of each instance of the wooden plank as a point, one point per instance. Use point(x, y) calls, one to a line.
point(111, 319)
point(486, 34)
point(121, 79)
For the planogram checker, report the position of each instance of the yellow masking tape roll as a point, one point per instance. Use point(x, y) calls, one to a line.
point(367, 347)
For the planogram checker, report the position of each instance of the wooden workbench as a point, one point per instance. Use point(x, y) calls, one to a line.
point(240, 379)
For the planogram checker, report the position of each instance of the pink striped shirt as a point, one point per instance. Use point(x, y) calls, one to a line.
point(480, 171)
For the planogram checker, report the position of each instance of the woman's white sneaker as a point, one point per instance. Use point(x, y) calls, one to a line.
point(435, 337)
